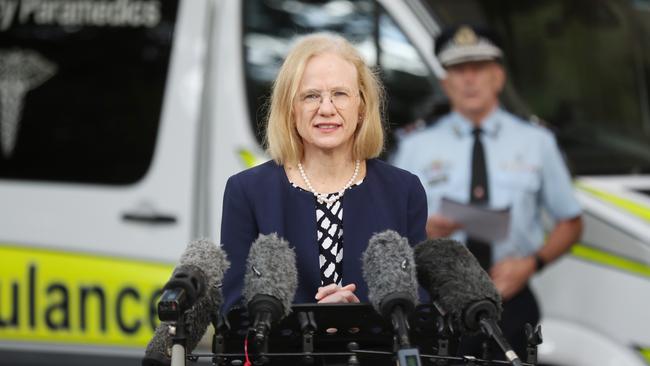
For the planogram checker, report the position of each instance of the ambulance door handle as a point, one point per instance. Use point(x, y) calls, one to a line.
point(149, 218)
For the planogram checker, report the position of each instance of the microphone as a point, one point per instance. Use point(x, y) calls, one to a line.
point(193, 290)
point(389, 271)
point(458, 284)
point(270, 283)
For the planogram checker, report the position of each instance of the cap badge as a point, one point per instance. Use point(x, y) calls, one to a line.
point(465, 36)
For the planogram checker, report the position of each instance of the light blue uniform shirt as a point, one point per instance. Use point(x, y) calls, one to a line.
point(524, 166)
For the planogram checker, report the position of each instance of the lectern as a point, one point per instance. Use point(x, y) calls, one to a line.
point(337, 335)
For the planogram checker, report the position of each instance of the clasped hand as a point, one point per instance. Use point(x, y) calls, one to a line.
point(334, 293)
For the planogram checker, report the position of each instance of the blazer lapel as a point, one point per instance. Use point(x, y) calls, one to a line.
point(357, 227)
point(299, 211)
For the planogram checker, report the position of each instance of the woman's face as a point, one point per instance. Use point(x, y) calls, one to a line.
point(326, 109)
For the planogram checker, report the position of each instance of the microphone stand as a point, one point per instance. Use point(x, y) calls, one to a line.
point(221, 327)
point(482, 315)
point(179, 339)
point(490, 327)
point(308, 328)
point(406, 355)
point(265, 310)
point(445, 330)
point(260, 331)
point(533, 339)
point(400, 326)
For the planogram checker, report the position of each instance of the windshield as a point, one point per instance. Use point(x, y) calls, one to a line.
point(582, 67)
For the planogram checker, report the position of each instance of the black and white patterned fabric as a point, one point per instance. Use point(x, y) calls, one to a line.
point(329, 228)
point(329, 232)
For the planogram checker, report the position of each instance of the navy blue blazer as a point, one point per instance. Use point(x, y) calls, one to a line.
point(261, 200)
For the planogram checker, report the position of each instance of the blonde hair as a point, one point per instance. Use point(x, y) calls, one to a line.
point(283, 143)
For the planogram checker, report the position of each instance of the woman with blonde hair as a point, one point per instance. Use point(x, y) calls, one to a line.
point(324, 134)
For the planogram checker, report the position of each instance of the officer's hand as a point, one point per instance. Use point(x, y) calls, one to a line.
point(510, 275)
point(439, 226)
point(333, 293)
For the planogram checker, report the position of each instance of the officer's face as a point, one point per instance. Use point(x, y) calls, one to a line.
point(474, 88)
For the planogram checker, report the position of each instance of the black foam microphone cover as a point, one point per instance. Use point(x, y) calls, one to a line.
point(270, 281)
point(204, 262)
point(389, 272)
point(456, 281)
point(458, 284)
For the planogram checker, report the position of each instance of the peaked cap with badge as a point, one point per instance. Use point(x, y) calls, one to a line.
point(466, 43)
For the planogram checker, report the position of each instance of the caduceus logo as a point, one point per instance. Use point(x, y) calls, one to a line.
point(20, 72)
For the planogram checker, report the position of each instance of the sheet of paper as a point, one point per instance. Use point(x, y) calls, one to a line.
point(478, 221)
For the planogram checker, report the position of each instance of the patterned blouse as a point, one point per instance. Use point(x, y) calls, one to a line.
point(329, 232)
point(329, 228)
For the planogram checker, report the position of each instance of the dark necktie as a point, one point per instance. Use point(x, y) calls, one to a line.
point(479, 194)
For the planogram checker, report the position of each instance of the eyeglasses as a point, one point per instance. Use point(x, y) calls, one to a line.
point(340, 98)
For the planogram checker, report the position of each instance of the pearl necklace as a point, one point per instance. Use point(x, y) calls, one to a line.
point(321, 197)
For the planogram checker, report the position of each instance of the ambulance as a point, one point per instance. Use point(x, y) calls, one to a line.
point(120, 121)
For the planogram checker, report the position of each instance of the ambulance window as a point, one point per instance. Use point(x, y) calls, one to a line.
point(82, 89)
point(270, 27)
point(414, 94)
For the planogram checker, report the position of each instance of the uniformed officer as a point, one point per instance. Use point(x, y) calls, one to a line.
point(481, 154)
